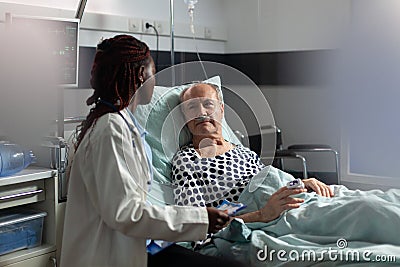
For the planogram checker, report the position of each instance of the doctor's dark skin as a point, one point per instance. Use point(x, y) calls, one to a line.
point(217, 220)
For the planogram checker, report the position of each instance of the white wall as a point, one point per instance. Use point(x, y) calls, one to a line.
point(207, 11)
point(285, 25)
point(207, 14)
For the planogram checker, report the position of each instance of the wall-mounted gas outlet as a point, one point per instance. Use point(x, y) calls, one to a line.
point(207, 33)
point(134, 25)
point(162, 26)
point(149, 30)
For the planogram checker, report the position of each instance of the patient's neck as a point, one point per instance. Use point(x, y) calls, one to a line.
point(211, 146)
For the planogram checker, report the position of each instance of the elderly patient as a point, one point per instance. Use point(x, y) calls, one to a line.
point(211, 169)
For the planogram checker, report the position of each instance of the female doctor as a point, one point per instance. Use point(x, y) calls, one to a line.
point(107, 220)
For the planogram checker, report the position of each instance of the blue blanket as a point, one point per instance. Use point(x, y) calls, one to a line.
point(354, 227)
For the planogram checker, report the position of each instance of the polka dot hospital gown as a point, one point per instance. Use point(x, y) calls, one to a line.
point(208, 181)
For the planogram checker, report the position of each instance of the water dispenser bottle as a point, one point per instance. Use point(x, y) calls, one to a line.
point(14, 158)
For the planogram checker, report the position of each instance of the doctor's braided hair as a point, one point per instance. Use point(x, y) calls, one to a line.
point(114, 77)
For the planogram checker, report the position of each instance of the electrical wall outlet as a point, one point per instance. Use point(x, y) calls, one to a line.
point(134, 25)
point(149, 30)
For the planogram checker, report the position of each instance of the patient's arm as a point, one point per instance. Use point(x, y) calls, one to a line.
point(279, 202)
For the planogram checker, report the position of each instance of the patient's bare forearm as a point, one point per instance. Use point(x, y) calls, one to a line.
point(254, 216)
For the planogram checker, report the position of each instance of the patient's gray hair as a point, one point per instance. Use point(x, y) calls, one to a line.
point(216, 88)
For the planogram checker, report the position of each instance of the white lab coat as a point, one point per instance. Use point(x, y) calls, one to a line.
point(107, 219)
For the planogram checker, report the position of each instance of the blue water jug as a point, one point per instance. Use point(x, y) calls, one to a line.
point(13, 158)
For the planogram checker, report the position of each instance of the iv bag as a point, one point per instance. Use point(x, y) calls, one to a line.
point(191, 4)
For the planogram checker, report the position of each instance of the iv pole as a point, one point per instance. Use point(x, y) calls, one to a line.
point(171, 20)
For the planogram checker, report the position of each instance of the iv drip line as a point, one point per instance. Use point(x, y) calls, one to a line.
point(191, 4)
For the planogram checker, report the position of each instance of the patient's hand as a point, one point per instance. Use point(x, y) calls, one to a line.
point(318, 187)
point(279, 202)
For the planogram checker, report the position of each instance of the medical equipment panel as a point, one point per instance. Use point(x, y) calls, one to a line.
point(63, 35)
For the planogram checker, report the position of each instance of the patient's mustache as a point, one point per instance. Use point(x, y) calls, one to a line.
point(203, 118)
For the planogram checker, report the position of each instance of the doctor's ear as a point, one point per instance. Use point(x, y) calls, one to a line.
point(141, 74)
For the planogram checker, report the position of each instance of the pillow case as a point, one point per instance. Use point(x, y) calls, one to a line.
point(164, 122)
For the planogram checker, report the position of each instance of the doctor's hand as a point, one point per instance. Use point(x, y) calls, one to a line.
point(279, 202)
point(216, 219)
point(318, 187)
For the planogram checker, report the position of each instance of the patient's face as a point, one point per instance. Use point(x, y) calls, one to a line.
point(202, 110)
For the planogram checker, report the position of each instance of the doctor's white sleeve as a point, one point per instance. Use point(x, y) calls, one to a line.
point(118, 191)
